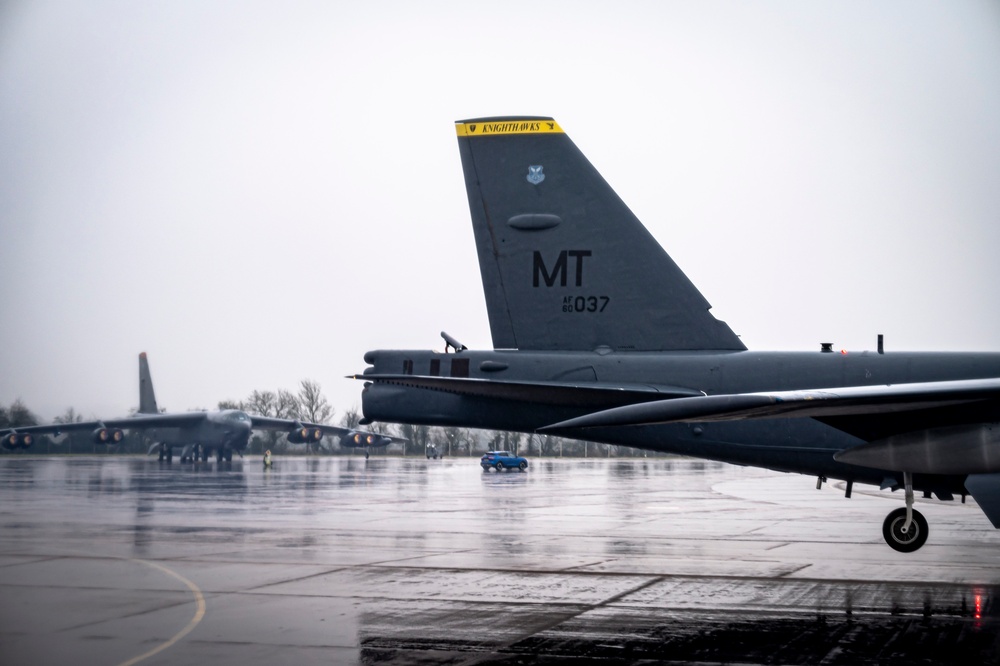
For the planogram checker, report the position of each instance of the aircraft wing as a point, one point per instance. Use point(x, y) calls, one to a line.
point(138, 422)
point(545, 392)
point(363, 438)
point(827, 404)
point(288, 425)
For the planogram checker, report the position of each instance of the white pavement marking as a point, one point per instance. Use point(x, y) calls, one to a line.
point(198, 615)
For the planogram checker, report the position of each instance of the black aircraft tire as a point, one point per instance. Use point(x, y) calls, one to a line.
point(904, 543)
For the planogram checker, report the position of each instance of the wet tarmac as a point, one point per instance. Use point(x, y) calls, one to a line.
point(120, 561)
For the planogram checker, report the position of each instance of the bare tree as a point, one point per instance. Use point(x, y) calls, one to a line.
point(18, 414)
point(382, 428)
point(505, 440)
point(351, 418)
point(453, 437)
point(264, 403)
point(288, 405)
point(494, 440)
point(313, 405)
point(69, 416)
point(418, 436)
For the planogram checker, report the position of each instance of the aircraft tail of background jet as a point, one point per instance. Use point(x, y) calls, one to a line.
point(147, 399)
point(565, 264)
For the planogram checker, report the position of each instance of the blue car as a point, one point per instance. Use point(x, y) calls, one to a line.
point(501, 460)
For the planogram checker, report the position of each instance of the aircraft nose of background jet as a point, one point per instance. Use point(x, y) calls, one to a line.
point(242, 431)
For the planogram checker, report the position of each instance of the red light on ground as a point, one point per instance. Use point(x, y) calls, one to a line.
point(843, 352)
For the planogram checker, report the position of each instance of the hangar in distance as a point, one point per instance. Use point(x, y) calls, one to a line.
point(193, 435)
point(599, 335)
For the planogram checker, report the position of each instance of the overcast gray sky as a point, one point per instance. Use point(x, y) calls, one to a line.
point(255, 193)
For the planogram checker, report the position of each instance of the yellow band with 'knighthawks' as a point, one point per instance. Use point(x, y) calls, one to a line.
point(494, 127)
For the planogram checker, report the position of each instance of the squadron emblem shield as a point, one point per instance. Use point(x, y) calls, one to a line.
point(535, 175)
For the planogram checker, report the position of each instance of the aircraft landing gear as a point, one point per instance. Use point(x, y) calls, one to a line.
point(163, 453)
point(905, 530)
point(904, 541)
point(366, 455)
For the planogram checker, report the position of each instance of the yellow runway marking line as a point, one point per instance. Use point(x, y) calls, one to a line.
point(198, 615)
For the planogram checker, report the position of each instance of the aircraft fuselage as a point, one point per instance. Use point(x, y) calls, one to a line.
point(213, 432)
point(220, 431)
point(793, 445)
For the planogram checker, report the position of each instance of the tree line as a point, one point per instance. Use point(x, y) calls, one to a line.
point(309, 404)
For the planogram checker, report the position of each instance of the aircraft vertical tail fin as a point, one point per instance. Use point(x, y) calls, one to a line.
point(564, 262)
point(147, 399)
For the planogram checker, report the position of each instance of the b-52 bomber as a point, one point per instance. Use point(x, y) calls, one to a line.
point(599, 335)
point(193, 435)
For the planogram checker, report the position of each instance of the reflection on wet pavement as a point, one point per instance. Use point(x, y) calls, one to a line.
point(402, 561)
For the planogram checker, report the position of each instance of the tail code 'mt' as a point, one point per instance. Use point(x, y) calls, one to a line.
point(565, 264)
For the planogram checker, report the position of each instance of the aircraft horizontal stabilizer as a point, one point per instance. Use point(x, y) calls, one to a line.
point(540, 392)
point(818, 403)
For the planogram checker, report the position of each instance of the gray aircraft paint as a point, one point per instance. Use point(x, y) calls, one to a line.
point(194, 433)
point(592, 320)
point(147, 397)
point(565, 263)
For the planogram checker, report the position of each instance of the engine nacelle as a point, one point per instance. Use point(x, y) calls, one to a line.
point(302, 435)
point(108, 436)
point(17, 440)
point(367, 439)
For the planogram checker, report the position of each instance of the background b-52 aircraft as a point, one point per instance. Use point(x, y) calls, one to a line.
point(194, 435)
point(598, 335)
